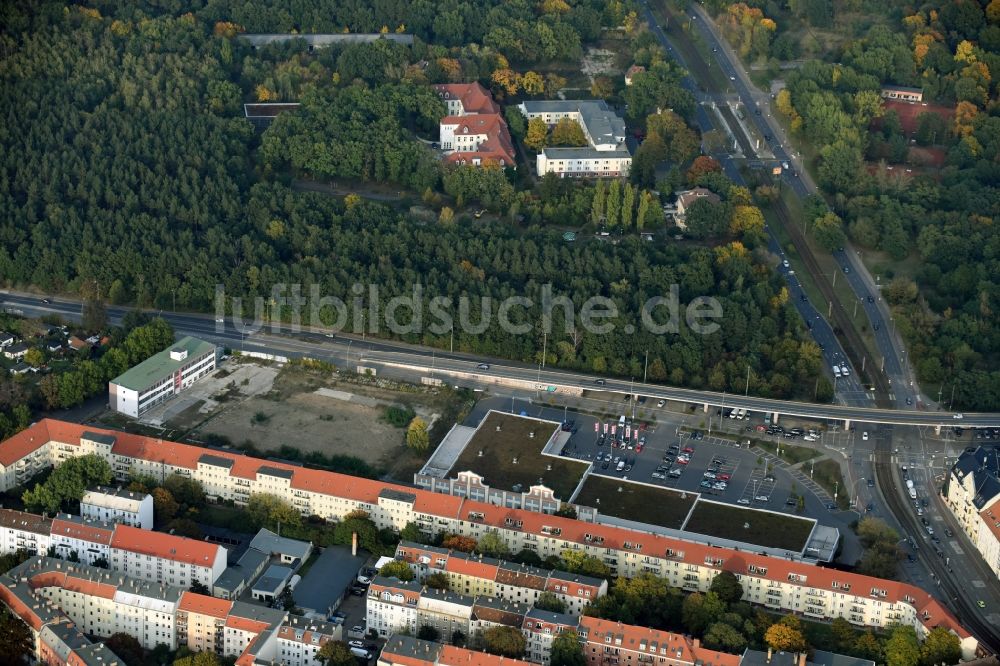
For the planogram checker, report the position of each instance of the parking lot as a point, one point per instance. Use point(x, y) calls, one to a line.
point(693, 461)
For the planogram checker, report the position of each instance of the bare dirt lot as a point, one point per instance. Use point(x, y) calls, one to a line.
point(314, 411)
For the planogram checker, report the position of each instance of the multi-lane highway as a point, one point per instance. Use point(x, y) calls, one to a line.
point(848, 390)
point(892, 362)
point(351, 350)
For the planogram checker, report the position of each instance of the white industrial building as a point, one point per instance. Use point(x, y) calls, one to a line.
point(161, 376)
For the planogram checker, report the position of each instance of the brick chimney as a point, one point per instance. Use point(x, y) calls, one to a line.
point(802, 659)
point(695, 643)
point(769, 653)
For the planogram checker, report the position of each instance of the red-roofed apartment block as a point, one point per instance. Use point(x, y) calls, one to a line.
point(473, 132)
point(780, 584)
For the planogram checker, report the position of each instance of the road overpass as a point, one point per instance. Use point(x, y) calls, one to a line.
point(351, 351)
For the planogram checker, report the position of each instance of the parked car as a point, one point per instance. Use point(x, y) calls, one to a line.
point(483, 366)
point(743, 500)
point(762, 498)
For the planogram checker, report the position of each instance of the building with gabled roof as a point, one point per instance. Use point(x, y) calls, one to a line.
point(473, 132)
point(973, 495)
point(477, 575)
point(778, 583)
point(20, 530)
point(463, 99)
point(166, 558)
point(604, 639)
point(402, 650)
point(540, 628)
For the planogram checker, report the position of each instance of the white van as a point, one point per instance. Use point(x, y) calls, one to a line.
point(836, 371)
point(361, 653)
point(733, 413)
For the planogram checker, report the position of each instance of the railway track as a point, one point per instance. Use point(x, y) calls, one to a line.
point(949, 590)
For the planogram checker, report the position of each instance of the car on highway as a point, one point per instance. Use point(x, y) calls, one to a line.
point(871, 299)
point(219, 320)
point(948, 533)
point(871, 483)
point(600, 382)
point(785, 263)
point(46, 301)
point(864, 435)
point(958, 416)
point(847, 269)
point(483, 366)
point(981, 603)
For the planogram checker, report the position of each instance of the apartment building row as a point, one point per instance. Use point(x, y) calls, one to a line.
point(153, 556)
point(973, 495)
point(50, 595)
point(787, 585)
point(604, 642)
point(395, 606)
point(477, 575)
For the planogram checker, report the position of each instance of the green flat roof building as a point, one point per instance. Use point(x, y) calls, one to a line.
point(161, 376)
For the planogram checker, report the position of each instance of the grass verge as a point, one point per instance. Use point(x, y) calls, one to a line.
point(827, 474)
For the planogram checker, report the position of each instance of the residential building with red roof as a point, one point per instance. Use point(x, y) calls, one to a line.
point(62, 601)
point(463, 99)
point(166, 558)
point(605, 641)
point(782, 584)
point(401, 650)
point(474, 132)
point(144, 554)
point(475, 575)
point(477, 139)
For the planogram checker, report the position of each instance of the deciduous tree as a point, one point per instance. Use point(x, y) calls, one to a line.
point(417, 436)
point(505, 642)
point(397, 569)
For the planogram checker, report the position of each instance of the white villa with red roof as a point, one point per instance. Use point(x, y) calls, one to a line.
point(474, 132)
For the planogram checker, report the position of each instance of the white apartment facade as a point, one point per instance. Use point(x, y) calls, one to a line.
point(605, 156)
point(166, 558)
point(627, 552)
point(392, 606)
point(142, 554)
point(103, 603)
point(118, 505)
point(161, 376)
point(24, 531)
point(973, 495)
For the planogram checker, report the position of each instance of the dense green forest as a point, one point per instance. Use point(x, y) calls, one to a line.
point(127, 165)
point(923, 194)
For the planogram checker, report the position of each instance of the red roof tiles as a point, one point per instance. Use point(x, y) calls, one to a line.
point(474, 97)
point(204, 605)
point(166, 546)
point(82, 531)
point(931, 612)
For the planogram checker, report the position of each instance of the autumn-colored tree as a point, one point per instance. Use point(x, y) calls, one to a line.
point(447, 216)
point(702, 165)
point(747, 222)
point(553, 84)
point(965, 114)
point(451, 68)
point(507, 80)
point(537, 134)
point(532, 83)
point(352, 200)
point(417, 436)
point(505, 642)
point(397, 569)
point(459, 542)
point(165, 507)
point(554, 7)
point(227, 29)
point(784, 638)
point(567, 132)
point(265, 94)
point(602, 87)
point(681, 142)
